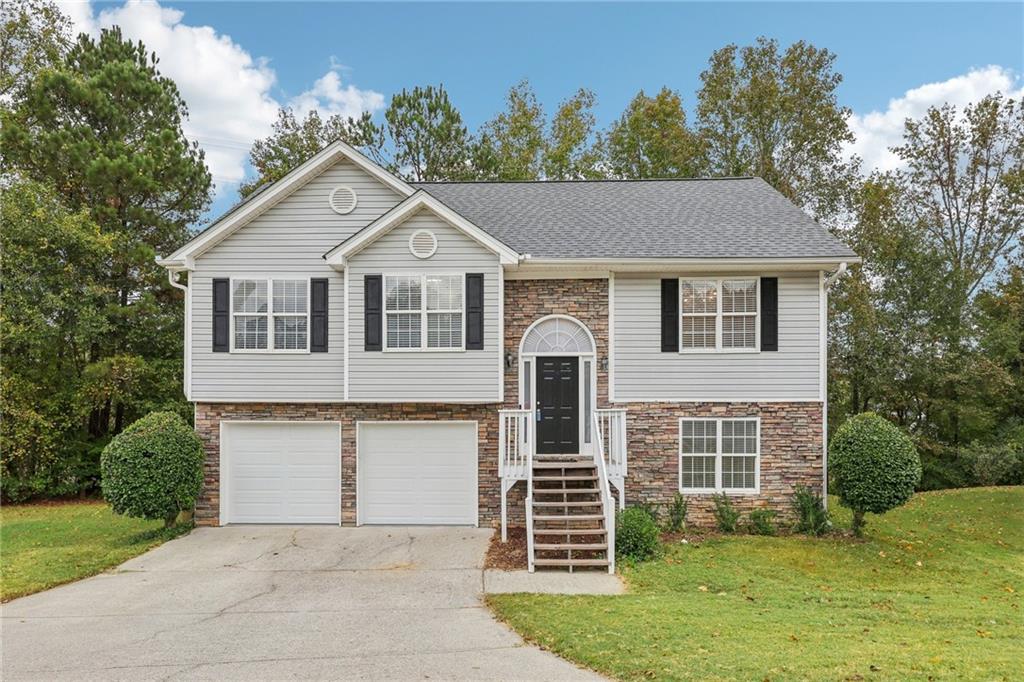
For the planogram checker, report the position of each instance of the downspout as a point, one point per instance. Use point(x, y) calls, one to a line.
point(172, 278)
point(827, 281)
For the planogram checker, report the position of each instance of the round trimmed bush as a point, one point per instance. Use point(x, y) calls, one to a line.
point(154, 468)
point(874, 466)
point(636, 534)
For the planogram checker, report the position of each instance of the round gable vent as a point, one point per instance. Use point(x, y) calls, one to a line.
point(343, 199)
point(423, 244)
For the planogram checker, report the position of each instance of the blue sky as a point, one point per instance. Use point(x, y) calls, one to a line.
point(886, 53)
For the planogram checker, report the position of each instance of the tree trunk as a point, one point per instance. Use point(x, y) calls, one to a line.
point(858, 522)
point(170, 520)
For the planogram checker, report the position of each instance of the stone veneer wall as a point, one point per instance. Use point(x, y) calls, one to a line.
point(791, 433)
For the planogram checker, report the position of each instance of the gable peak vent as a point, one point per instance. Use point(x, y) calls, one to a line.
point(423, 243)
point(343, 199)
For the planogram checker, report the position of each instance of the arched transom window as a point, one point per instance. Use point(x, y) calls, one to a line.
point(558, 335)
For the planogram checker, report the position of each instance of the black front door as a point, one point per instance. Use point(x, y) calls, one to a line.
point(558, 402)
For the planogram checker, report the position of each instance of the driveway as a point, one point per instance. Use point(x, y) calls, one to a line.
point(271, 602)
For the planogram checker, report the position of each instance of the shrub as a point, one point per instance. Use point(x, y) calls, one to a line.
point(810, 510)
point(874, 466)
point(726, 515)
point(996, 464)
point(636, 534)
point(677, 513)
point(154, 468)
point(649, 508)
point(762, 522)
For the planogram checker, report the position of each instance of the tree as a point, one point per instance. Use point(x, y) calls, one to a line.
point(571, 151)
point(874, 466)
point(292, 142)
point(34, 35)
point(510, 146)
point(52, 315)
point(430, 141)
point(775, 115)
point(105, 130)
point(651, 140)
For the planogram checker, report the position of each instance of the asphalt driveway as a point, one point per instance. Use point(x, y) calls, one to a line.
point(271, 602)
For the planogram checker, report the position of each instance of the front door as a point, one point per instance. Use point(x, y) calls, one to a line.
point(558, 405)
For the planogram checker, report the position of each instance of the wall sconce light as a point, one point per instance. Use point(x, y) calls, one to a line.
point(604, 364)
point(510, 360)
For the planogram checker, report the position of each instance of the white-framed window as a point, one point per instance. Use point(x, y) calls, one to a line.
point(270, 315)
point(719, 314)
point(424, 312)
point(720, 455)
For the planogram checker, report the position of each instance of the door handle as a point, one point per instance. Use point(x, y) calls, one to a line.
point(538, 413)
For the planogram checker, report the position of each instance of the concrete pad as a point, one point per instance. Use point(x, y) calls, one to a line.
point(270, 602)
point(552, 582)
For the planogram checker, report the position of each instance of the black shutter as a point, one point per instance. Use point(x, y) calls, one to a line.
point(769, 313)
point(221, 315)
point(373, 314)
point(670, 315)
point(475, 311)
point(318, 315)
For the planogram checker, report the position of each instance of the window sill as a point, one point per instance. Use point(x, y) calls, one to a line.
point(267, 351)
point(720, 351)
point(731, 492)
point(424, 350)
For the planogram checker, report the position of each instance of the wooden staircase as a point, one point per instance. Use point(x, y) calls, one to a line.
point(568, 514)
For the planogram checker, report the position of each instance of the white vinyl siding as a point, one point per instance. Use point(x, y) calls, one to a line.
point(642, 372)
point(287, 241)
point(719, 455)
point(430, 374)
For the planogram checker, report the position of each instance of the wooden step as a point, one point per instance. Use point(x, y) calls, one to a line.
point(570, 562)
point(565, 491)
point(598, 503)
point(572, 517)
point(563, 465)
point(571, 477)
point(568, 531)
point(588, 546)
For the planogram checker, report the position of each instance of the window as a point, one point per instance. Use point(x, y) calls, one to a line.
point(423, 312)
point(718, 314)
point(719, 455)
point(261, 305)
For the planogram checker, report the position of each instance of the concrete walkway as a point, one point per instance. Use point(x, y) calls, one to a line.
point(271, 602)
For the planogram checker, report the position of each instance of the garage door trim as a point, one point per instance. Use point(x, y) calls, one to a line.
point(424, 422)
point(224, 462)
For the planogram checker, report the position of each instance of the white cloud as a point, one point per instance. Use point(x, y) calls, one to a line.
point(229, 92)
point(877, 131)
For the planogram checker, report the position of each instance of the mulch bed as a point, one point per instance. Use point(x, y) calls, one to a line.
point(507, 556)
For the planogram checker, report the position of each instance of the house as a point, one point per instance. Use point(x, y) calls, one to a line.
point(364, 350)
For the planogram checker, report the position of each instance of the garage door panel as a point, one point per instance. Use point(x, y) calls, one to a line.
point(417, 473)
point(282, 473)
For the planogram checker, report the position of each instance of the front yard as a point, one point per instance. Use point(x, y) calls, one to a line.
point(45, 545)
point(933, 592)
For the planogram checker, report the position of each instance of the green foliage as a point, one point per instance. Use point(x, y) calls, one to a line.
point(727, 517)
point(292, 142)
point(1001, 464)
point(636, 534)
point(571, 151)
point(430, 141)
point(510, 146)
point(774, 114)
point(874, 466)
point(651, 140)
point(812, 518)
point(154, 468)
point(677, 513)
point(762, 522)
point(34, 35)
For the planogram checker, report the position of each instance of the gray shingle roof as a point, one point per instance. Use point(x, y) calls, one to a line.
point(712, 218)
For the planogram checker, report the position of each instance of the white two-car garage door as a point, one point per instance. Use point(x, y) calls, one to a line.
point(280, 472)
point(417, 473)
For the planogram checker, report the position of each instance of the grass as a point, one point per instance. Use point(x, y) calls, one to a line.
point(42, 546)
point(932, 592)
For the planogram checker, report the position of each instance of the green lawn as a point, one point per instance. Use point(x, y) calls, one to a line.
point(933, 592)
point(46, 545)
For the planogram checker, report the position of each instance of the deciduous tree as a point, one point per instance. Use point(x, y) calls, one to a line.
point(651, 140)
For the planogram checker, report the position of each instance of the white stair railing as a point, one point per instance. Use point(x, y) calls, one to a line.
point(611, 437)
point(607, 501)
point(515, 455)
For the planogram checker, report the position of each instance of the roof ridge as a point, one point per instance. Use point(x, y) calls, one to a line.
point(579, 182)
